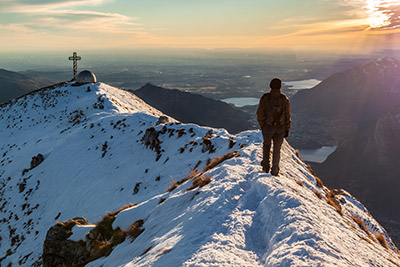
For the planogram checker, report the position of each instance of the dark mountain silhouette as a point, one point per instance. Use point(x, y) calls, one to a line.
point(344, 102)
point(194, 108)
point(367, 165)
point(13, 84)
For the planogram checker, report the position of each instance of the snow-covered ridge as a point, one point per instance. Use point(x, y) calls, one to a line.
point(381, 66)
point(95, 161)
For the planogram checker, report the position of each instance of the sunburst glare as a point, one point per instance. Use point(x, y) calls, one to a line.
point(379, 14)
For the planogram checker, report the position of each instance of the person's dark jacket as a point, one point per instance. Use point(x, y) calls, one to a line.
point(264, 111)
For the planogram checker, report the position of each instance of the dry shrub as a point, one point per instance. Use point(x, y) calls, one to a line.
point(103, 250)
point(71, 223)
point(381, 238)
point(393, 262)
point(118, 237)
point(231, 142)
point(105, 247)
point(310, 170)
point(146, 250)
point(199, 182)
point(172, 186)
point(318, 194)
point(331, 200)
point(68, 224)
point(193, 174)
point(176, 184)
point(114, 213)
point(136, 229)
point(361, 224)
point(165, 251)
point(218, 160)
point(197, 164)
point(104, 227)
point(299, 183)
point(319, 182)
point(338, 192)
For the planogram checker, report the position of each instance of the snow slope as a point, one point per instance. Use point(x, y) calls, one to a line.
point(96, 162)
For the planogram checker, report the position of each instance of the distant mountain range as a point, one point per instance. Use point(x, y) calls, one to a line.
point(194, 108)
point(14, 84)
point(344, 102)
point(366, 163)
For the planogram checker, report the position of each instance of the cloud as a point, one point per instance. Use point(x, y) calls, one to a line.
point(64, 15)
point(391, 13)
point(380, 14)
point(46, 6)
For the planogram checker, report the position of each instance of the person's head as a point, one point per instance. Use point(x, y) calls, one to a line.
point(275, 83)
point(275, 86)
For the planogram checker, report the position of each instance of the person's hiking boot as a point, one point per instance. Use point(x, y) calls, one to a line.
point(265, 167)
point(275, 171)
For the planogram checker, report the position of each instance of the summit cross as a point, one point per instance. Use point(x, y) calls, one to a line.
point(75, 59)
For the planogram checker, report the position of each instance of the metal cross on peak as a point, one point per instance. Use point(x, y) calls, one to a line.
point(75, 59)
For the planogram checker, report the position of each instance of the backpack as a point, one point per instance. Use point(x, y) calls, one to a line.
point(275, 110)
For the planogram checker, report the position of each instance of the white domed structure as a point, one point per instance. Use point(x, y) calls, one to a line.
point(86, 77)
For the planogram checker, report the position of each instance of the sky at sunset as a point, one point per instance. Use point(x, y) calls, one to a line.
point(341, 25)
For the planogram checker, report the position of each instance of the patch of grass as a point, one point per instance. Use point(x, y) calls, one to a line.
point(310, 170)
point(71, 223)
point(338, 192)
point(199, 182)
point(175, 184)
point(318, 194)
point(165, 251)
point(146, 250)
point(114, 213)
point(331, 200)
point(104, 227)
point(361, 224)
point(136, 229)
point(218, 160)
point(381, 239)
point(197, 164)
point(319, 182)
point(172, 186)
point(393, 262)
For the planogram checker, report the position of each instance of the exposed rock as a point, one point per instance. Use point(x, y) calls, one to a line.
point(162, 120)
point(207, 145)
point(151, 140)
point(36, 160)
point(99, 242)
point(58, 251)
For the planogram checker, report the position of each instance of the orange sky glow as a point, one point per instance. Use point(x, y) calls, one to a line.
point(341, 25)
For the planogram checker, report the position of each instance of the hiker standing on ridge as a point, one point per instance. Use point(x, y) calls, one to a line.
point(273, 116)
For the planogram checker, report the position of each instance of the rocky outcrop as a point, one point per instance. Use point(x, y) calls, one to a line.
point(162, 120)
point(36, 160)
point(151, 140)
point(59, 251)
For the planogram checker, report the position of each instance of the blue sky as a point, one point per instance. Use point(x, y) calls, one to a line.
point(121, 24)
